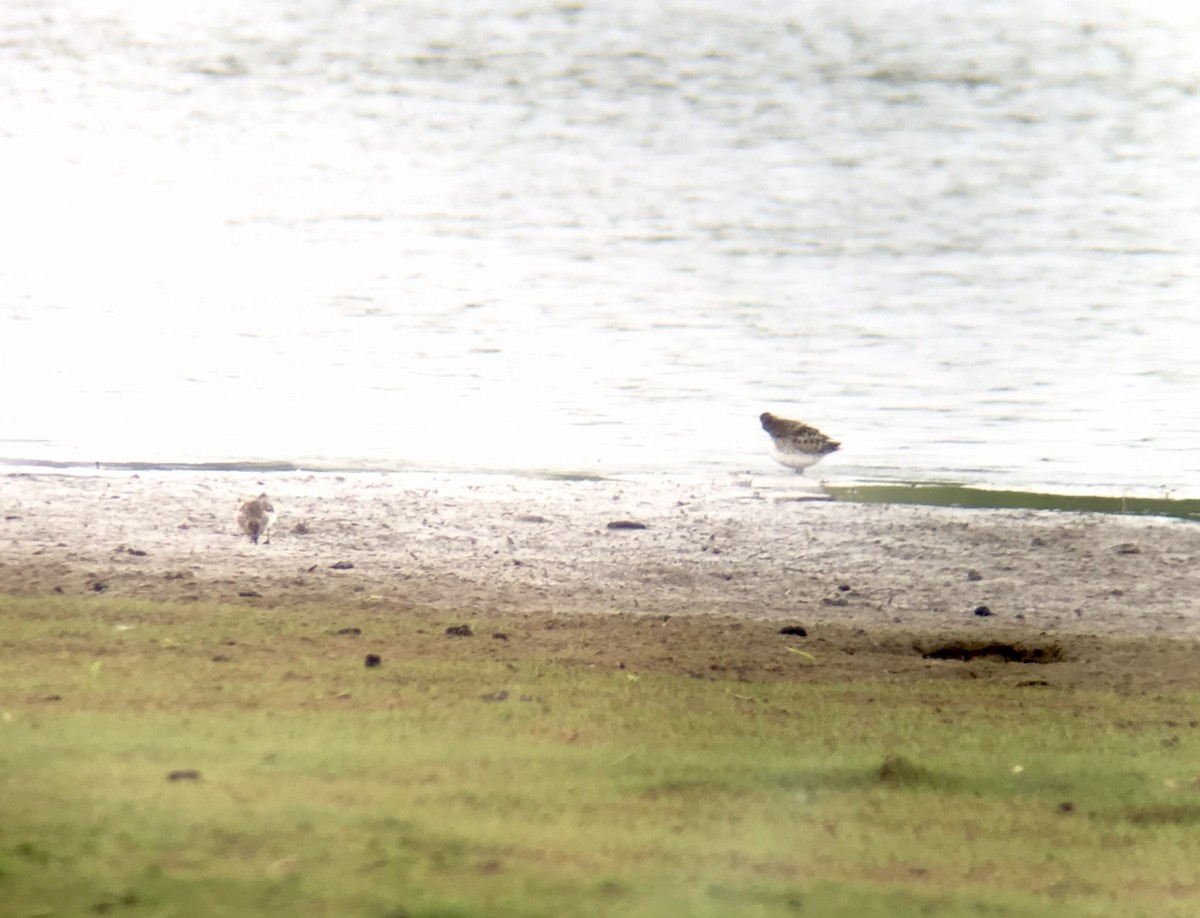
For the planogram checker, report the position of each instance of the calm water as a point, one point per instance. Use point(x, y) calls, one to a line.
point(962, 237)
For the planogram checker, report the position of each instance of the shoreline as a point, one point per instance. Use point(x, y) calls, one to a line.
point(755, 547)
point(872, 487)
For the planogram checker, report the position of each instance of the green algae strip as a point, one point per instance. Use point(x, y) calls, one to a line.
point(948, 495)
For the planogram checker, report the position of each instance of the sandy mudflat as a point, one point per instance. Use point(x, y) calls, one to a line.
point(747, 546)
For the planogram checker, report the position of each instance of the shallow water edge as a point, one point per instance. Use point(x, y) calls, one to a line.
point(914, 493)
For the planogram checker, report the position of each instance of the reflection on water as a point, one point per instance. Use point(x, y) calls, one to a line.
point(604, 238)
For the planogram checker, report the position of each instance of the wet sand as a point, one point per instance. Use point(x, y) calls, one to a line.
point(754, 546)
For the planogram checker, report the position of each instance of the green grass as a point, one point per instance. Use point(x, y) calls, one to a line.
point(328, 788)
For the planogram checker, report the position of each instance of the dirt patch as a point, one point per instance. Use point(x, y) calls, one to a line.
point(712, 648)
point(294, 645)
point(730, 578)
point(1008, 652)
point(899, 771)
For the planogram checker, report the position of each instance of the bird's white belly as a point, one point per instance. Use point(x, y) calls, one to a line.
point(794, 460)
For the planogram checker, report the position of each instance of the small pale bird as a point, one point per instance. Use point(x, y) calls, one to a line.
point(796, 444)
point(256, 518)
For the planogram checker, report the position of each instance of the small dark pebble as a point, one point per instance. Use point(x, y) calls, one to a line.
point(974, 575)
point(249, 594)
point(1066, 807)
point(11, 517)
point(349, 631)
point(136, 552)
point(220, 658)
point(99, 587)
point(626, 524)
point(58, 589)
point(1032, 683)
point(798, 630)
point(499, 636)
point(983, 611)
point(845, 588)
point(186, 774)
point(342, 565)
point(501, 695)
point(459, 631)
point(301, 528)
point(373, 659)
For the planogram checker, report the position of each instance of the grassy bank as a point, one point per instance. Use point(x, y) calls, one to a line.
point(216, 760)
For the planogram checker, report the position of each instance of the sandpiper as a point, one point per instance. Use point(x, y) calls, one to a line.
point(796, 444)
point(256, 518)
